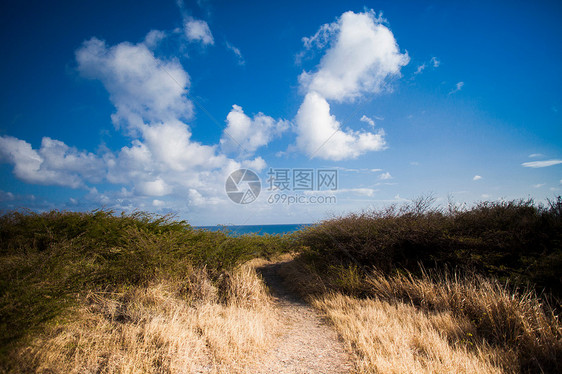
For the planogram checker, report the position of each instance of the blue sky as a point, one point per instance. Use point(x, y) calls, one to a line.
point(145, 105)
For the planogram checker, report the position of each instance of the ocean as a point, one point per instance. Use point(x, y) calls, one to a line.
point(256, 229)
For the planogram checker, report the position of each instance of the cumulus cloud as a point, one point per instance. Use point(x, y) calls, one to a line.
point(362, 54)
point(541, 164)
point(141, 86)
point(197, 30)
point(246, 135)
point(319, 134)
point(153, 38)
point(152, 107)
point(477, 178)
point(54, 163)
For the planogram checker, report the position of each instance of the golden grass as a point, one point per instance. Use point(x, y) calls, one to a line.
point(163, 328)
point(435, 323)
point(398, 338)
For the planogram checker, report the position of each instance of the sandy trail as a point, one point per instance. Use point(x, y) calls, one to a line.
point(307, 344)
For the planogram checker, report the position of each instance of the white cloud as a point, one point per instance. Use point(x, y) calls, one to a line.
point(457, 88)
point(477, 178)
point(539, 185)
point(198, 31)
point(236, 52)
point(420, 69)
point(319, 133)
point(153, 38)
point(150, 97)
point(435, 62)
point(322, 37)
point(368, 120)
point(385, 176)
point(361, 57)
point(142, 87)
point(6, 196)
point(541, 164)
point(356, 191)
point(53, 163)
point(536, 155)
point(257, 164)
point(155, 187)
point(246, 135)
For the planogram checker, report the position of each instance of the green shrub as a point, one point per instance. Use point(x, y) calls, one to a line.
point(48, 260)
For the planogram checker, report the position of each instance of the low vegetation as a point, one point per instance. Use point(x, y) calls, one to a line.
point(414, 289)
point(107, 293)
point(409, 289)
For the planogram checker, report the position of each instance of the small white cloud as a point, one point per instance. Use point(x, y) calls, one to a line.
point(420, 69)
point(246, 135)
point(367, 120)
point(385, 176)
point(457, 88)
point(236, 52)
point(435, 62)
point(485, 196)
point(6, 196)
point(476, 178)
point(155, 187)
point(414, 163)
point(197, 30)
point(375, 170)
point(539, 185)
point(541, 164)
point(153, 38)
point(536, 155)
point(158, 203)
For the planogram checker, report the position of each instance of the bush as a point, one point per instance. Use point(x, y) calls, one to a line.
point(516, 241)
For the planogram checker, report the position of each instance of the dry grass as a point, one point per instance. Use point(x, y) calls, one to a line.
point(434, 323)
point(167, 327)
point(399, 338)
point(515, 321)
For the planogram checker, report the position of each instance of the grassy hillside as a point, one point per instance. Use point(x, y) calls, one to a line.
point(51, 264)
point(409, 289)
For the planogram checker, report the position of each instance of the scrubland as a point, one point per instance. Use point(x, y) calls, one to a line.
point(409, 289)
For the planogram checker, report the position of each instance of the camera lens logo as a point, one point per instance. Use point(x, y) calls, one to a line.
point(243, 186)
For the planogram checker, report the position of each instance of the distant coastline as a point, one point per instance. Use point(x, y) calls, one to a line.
point(256, 229)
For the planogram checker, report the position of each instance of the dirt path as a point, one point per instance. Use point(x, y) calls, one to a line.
point(308, 344)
